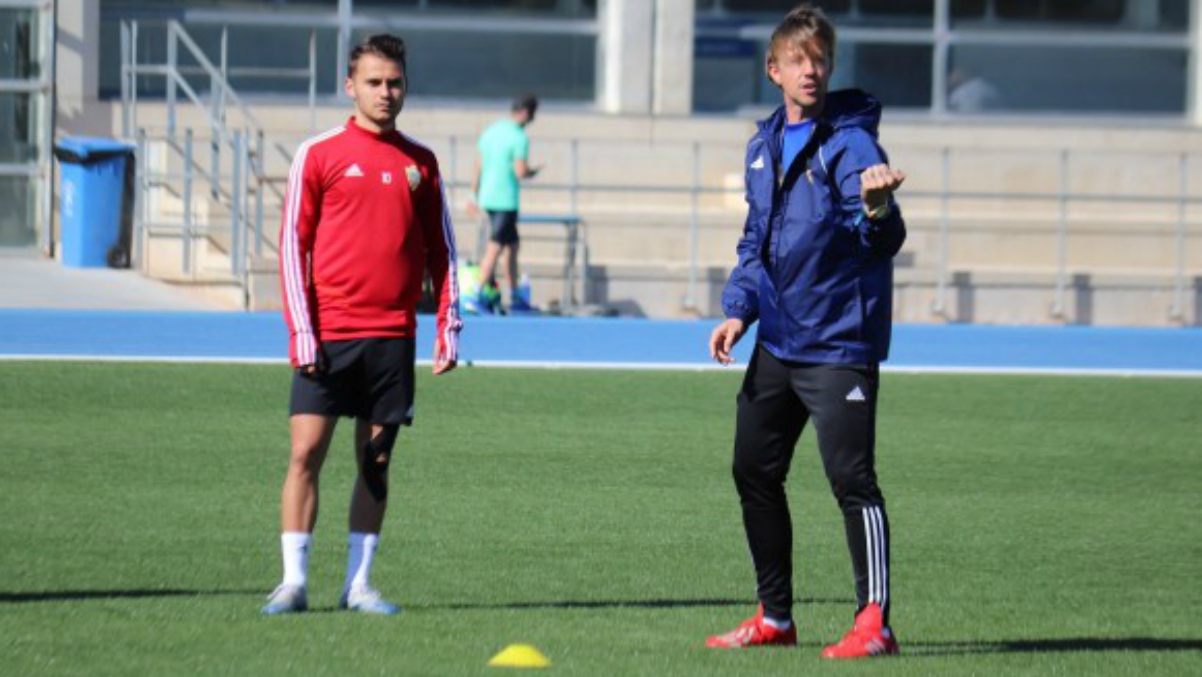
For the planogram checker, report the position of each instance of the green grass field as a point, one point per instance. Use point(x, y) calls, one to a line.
point(1041, 526)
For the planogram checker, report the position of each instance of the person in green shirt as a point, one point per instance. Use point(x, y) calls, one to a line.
point(501, 162)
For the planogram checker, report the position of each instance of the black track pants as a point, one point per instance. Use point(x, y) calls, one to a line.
point(776, 401)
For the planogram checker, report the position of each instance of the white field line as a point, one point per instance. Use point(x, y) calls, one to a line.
point(631, 366)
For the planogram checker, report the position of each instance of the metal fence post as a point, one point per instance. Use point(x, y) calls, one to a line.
point(140, 206)
point(1177, 311)
point(225, 42)
point(217, 117)
point(237, 252)
point(133, 75)
point(940, 57)
point(186, 198)
point(126, 72)
point(220, 93)
point(1058, 309)
point(569, 295)
point(945, 226)
point(345, 17)
point(260, 181)
point(172, 74)
point(690, 299)
point(312, 80)
point(574, 176)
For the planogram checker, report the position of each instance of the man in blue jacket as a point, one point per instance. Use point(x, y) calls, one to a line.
point(815, 269)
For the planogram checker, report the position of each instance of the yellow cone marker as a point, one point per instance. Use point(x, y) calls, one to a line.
point(520, 656)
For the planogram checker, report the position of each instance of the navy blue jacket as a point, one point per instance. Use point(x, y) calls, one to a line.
point(815, 272)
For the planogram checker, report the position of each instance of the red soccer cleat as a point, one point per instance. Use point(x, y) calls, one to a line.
point(754, 632)
point(869, 637)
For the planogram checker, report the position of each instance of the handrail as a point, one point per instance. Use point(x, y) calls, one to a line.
point(220, 88)
point(176, 31)
point(244, 145)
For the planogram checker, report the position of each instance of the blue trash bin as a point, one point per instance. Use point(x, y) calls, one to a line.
point(91, 201)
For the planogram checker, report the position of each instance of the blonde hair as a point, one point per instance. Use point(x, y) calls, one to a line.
point(799, 29)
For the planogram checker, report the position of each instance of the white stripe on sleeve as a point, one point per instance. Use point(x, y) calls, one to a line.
point(291, 264)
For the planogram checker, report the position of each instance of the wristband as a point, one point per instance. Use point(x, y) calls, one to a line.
point(878, 213)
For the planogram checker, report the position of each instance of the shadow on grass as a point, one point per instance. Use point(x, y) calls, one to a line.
point(617, 604)
point(1066, 645)
point(85, 595)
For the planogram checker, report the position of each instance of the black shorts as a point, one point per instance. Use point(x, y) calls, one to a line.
point(371, 379)
point(504, 227)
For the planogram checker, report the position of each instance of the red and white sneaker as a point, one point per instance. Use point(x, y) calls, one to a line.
point(754, 632)
point(869, 637)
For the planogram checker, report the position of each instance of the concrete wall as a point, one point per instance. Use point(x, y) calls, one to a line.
point(1121, 239)
point(1122, 244)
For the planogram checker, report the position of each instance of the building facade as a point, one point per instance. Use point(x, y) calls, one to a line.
point(927, 59)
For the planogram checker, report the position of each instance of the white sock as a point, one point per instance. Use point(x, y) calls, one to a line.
point(361, 550)
point(779, 625)
point(295, 545)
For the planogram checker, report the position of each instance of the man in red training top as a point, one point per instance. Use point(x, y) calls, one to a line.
point(364, 219)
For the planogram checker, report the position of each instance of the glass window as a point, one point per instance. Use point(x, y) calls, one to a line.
point(1075, 80)
point(18, 194)
point(780, 7)
point(289, 51)
point(532, 8)
point(18, 128)
point(726, 72)
point(969, 9)
point(378, 6)
point(898, 75)
point(1092, 11)
point(523, 6)
point(1137, 15)
point(151, 48)
point(919, 8)
point(729, 73)
point(217, 4)
point(442, 62)
point(1174, 15)
point(19, 49)
point(841, 12)
point(448, 63)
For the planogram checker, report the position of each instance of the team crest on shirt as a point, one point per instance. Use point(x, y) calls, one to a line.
point(386, 178)
point(414, 175)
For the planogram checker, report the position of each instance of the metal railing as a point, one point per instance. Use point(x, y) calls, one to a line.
point(235, 167)
point(177, 176)
point(234, 171)
point(1063, 198)
point(221, 94)
point(1054, 215)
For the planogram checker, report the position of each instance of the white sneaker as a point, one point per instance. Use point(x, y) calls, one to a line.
point(287, 599)
point(367, 601)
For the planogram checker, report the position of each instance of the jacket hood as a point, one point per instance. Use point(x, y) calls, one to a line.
point(844, 108)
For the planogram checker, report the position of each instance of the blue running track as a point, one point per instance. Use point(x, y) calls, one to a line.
point(595, 342)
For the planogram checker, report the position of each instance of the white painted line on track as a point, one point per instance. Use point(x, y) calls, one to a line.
point(630, 366)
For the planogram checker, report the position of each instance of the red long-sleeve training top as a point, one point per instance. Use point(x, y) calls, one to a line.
point(364, 215)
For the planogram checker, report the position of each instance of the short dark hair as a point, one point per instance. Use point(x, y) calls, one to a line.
point(383, 45)
point(526, 102)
